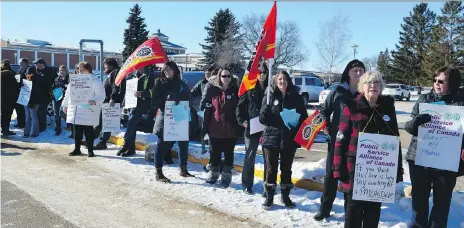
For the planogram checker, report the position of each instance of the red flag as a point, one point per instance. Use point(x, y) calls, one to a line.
point(265, 49)
point(148, 53)
point(309, 129)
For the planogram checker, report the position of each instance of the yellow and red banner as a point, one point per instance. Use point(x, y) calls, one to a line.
point(265, 49)
point(309, 130)
point(148, 53)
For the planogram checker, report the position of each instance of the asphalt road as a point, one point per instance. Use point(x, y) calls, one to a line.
point(21, 210)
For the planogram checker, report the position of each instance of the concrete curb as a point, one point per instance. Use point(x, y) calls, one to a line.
point(300, 183)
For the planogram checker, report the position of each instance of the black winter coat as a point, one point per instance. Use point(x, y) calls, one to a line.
point(276, 134)
point(249, 106)
point(47, 77)
point(166, 90)
point(112, 91)
point(410, 128)
point(9, 88)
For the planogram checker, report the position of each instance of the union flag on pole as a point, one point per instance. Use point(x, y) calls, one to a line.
point(309, 129)
point(265, 49)
point(148, 53)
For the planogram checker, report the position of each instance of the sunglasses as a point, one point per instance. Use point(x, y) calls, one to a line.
point(438, 81)
point(225, 76)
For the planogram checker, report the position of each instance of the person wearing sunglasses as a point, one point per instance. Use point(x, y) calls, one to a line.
point(446, 81)
point(368, 112)
point(220, 123)
point(347, 90)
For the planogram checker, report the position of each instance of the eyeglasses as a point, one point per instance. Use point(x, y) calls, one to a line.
point(225, 76)
point(438, 81)
point(372, 83)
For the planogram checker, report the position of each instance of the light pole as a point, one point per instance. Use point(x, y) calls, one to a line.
point(354, 50)
point(16, 58)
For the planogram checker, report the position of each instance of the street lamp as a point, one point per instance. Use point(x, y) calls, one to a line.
point(354, 50)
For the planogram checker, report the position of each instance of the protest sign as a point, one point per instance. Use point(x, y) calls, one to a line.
point(111, 117)
point(130, 100)
point(80, 88)
point(176, 123)
point(376, 168)
point(255, 126)
point(25, 93)
point(439, 141)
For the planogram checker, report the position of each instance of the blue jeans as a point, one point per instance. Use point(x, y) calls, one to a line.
point(134, 118)
point(248, 174)
point(164, 147)
point(56, 109)
point(422, 181)
point(32, 120)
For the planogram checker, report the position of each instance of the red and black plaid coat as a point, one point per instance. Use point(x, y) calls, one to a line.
point(353, 120)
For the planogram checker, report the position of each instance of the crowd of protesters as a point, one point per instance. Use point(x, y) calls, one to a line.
point(355, 106)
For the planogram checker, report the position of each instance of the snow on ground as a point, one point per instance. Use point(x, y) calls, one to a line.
point(233, 201)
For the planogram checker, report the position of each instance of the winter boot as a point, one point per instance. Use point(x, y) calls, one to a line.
point(264, 189)
point(226, 176)
point(285, 193)
point(320, 216)
point(101, 145)
point(75, 153)
point(213, 175)
point(122, 150)
point(160, 177)
point(270, 191)
point(184, 172)
point(90, 149)
point(130, 152)
point(57, 131)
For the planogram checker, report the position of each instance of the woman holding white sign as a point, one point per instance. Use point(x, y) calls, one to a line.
point(169, 87)
point(31, 110)
point(84, 117)
point(369, 112)
point(423, 179)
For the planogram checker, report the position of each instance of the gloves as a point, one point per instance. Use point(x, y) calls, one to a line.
point(267, 111)
point(421, 119)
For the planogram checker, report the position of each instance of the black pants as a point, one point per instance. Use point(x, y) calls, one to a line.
point(360, 213)
point(7, 111)
point(79, 131)
point(20, 115)
point(330, 183)
point(42, 114)
point(219, 146)
point(422, 180)
point(272, 162)
point(105, 136)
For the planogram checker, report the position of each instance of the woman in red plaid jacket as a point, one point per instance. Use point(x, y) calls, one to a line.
point(372, 113)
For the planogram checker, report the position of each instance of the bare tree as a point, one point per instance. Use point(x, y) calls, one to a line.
point(332, 44)
point(289, 51)
point(228, 53)
point(370, 62)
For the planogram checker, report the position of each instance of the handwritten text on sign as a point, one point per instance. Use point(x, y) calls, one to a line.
point(130, 100)
point(439, 141)
point(376, 168)
point(175, 130)
point(111, 117)
point(25, 93)
point(80, 88)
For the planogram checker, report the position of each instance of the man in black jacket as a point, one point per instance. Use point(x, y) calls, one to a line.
point(248, 107)
point(20, 114)
point(9, 88)
point(47, 75)
point(113, 94)
point(145, 84)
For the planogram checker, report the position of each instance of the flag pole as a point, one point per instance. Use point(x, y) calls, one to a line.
point(269, 78)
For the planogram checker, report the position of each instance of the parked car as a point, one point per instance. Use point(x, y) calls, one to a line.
point(325, 92)
point(413, 90)
point(310, 87)
point(398, 91)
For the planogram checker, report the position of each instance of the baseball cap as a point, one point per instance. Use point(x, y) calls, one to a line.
point(23, 60)
point(40, 61)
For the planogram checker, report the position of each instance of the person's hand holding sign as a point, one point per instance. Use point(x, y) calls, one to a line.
point(462, 154)
point(92, 102)
point(138, 94)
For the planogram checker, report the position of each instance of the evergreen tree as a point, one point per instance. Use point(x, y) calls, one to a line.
point(384, 65)
point(223, 26)
point(416, 35)
point(136, 34)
